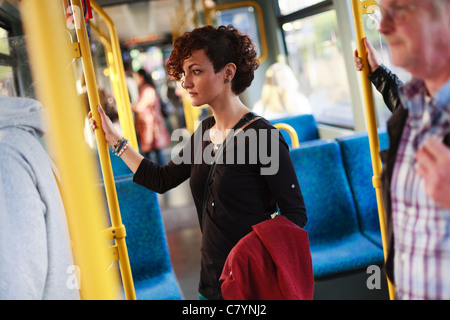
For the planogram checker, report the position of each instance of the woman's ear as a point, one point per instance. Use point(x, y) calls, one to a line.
point(229, 72)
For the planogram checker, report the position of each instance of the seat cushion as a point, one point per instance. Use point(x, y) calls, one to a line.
point(161, 287)
point(342, 255)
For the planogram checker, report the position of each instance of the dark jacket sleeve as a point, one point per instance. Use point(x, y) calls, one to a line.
point(283, 183)
point(387, 84)
point(161, 178)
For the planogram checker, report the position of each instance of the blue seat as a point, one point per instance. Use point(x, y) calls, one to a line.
point(146, 242)
point(119, 167)
point(358, 165)
point(337, 245)
point(305, 125)
point(315, 142)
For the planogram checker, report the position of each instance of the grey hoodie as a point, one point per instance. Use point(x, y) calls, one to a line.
point(35, 257)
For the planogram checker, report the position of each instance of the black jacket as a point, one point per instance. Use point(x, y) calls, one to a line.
point(387, 84)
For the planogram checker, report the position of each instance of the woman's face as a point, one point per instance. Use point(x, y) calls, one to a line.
point(138, 78)
point(201, 82)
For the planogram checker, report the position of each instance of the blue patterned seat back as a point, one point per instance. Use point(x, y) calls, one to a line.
point(358, 165)
point(337, 245)
point(305, 125)
point(146, 241)
point(119, 167)
point(329, 203)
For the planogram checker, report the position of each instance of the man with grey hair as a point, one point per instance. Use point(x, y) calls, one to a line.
point(418, 223)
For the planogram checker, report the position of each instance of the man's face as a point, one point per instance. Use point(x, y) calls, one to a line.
point(416, 34)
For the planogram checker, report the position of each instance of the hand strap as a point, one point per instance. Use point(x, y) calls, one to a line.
point(245, 121)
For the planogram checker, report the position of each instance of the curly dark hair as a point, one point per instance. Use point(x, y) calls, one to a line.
point(222, 45)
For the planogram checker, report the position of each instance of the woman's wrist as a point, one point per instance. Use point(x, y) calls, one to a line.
point(120, 146)
point(113, 139)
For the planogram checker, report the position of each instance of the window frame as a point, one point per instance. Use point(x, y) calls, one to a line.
point(10, 20)
point(347, 37)
point(305, 12)
point(8, 60)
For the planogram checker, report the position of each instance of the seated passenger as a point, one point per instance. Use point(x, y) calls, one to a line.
point(35, 257)
point(281, 95)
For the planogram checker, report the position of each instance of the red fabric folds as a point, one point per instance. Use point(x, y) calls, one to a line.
point(273, 262)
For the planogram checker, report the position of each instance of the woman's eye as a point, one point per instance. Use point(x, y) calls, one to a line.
point(196, 71)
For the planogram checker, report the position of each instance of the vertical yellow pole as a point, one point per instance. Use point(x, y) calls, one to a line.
point(113, 78)
point(207, 11)
point(105, 162)
point(48, 48)
point(357, 8)
point(125, 113)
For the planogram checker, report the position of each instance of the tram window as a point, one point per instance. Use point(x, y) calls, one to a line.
point(6, 70)
point(315, 54)
point(244, 19)
point(289, 6)
point(4, 47)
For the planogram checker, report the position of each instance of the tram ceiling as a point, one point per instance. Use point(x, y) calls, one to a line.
point(140, 19)
point(107, 3)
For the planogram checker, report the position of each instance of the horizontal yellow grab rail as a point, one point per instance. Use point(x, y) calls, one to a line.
point(292, 133)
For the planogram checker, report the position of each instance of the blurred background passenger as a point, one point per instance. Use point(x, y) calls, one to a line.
point(281, 96)
point(151, 129)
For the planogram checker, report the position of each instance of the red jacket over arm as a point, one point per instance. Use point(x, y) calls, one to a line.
point(271, 262)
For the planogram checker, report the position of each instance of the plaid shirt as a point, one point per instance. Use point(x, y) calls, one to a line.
point(421, 226)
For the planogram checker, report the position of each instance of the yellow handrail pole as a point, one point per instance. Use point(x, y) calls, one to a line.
point(359, 8)
point(292, 133)
point(208, 11)
point(125, 113)
point(110, 188)
point(50, 56)
point(110, 63)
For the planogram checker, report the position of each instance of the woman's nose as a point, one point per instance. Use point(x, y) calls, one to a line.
point(186, 83)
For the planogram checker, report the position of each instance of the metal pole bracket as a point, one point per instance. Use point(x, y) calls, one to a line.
point(368, 6)
point(75, 49)
point(114, 233)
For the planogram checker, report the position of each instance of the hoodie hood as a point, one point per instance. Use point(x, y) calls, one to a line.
point(23, 113)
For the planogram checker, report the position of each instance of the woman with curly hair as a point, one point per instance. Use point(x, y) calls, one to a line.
point(253, 177)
